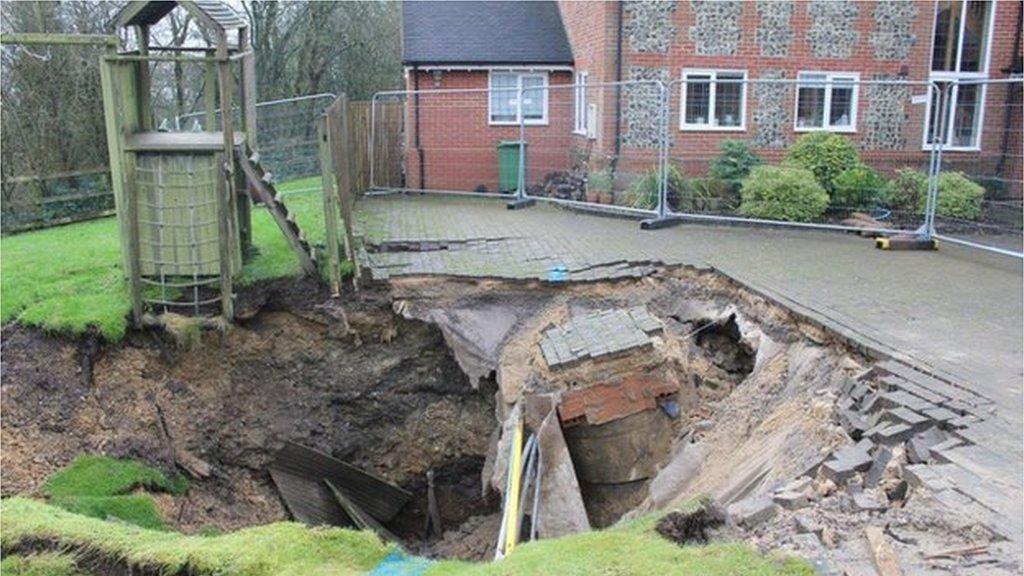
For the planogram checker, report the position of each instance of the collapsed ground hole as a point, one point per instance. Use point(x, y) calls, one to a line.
point(374, 388)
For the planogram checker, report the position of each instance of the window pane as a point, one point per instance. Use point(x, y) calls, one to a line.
point(841, 107)
point(729, 100)
point(947, 33)
point(533, 97)
point(972, 55)
point(965, 117)
point(810, 104)
point(698, 99)
point(503, 97)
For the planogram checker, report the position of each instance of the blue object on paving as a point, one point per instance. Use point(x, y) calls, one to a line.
point(399, 563)
point(558, 273)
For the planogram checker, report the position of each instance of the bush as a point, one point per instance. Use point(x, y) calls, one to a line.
point(825, 154)
point(860, 188)
point(734, 163)
point(958, 197)
point(645, 190)
point(782, 193)
point(908, 190)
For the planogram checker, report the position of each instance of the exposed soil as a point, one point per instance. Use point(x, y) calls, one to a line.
point(364, 385)
point(379, 379)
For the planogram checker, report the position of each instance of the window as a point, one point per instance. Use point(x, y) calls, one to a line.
point(960, 45)
point(826, 101)
point(713, 100)
point(580, 101)
point(504, 103)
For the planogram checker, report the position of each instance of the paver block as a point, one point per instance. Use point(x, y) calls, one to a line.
point(752, 511)
point(907, 416)
point(894, 434)
point(845, 463)
point(940, 414)
point(923, 475)
point(791, 500)
point(938, 451)
point(868, 501)
point(878, 464)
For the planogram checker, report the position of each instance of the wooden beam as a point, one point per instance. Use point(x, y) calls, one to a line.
point(59, 39)
point(248, 82)
point(338, 136)
point(224, 83)
point(227, 305)
point(117, 183)
point(145, 84)
point(331, 215)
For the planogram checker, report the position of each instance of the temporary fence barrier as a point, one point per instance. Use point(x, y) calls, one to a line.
point(820, 151)
point(981, 173)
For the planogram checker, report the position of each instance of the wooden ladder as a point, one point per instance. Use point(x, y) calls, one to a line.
point(259, 181)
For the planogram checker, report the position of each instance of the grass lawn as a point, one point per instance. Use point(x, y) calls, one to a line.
point(42, 564)
point(290, 548)
point(69, 278)
point(285, 548)
point(100, 487)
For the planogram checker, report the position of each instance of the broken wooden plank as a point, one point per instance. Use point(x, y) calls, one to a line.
point(362, 520)
point(308, 500)
point(376, 496)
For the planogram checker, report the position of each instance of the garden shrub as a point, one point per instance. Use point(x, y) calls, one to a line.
point(908, 190)
point(782, 193)
point(825, 154)
point(860, 188)
point(959, 197)
point(645, 190)
point(734, 162)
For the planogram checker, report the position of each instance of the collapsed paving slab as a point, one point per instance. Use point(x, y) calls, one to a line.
point(599, 334)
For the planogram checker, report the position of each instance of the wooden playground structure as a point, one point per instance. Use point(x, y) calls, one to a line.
point(184, 199)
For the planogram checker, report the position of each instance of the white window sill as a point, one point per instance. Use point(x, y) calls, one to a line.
point(928, 148)
point(710, 128)
point(850, 130)
point(515, 123)
point(580, 132)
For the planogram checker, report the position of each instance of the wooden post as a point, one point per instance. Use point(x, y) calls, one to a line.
point(330, 207)
point(125, 200)
point(227, 304)
point(224, 85)
point(145, 107)
point(248, 90)
point(338, 136)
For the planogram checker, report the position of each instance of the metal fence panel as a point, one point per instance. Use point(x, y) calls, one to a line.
point(981, 180)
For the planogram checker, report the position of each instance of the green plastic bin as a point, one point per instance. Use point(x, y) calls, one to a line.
point(508, 165)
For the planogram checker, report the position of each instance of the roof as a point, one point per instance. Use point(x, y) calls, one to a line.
point(148, 12)
point(475, 32)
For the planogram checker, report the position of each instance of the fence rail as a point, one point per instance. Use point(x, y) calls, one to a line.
point(886, 156)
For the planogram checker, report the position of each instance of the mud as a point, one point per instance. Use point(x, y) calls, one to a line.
point(421, 374)
point(378, 391)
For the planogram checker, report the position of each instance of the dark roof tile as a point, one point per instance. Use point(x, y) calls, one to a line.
point(483, 32)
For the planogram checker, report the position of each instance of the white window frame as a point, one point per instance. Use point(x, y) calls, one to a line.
point(580, 104)
point(831, 79)
point(950, 76)
point(710, 125)
point(543, 121)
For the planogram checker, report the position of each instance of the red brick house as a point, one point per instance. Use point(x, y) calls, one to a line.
point(826, 49)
